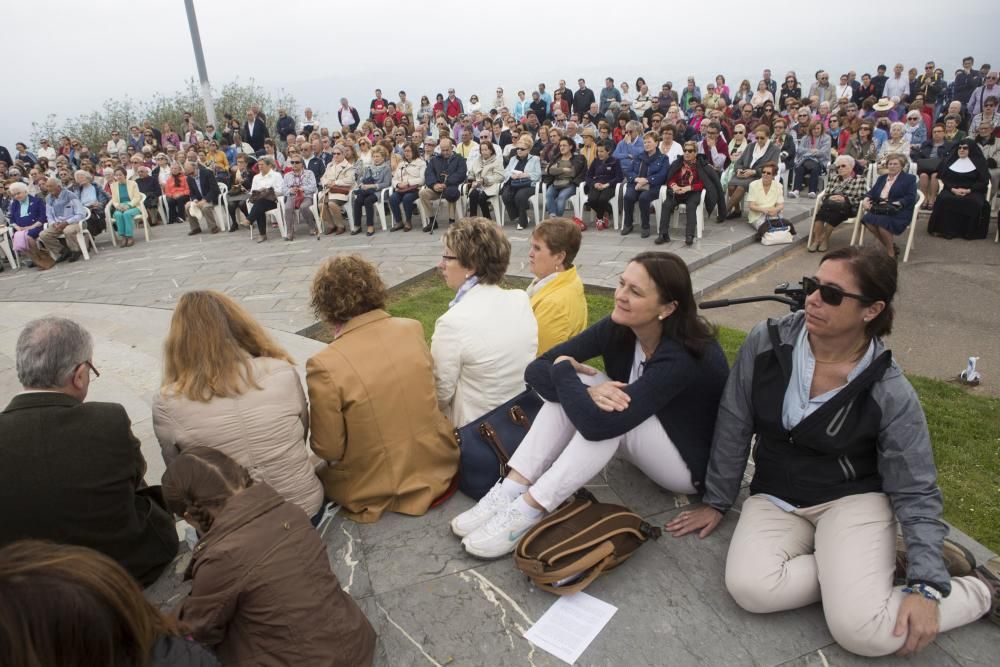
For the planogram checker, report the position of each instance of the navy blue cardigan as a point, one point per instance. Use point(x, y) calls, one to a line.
point(681, 390)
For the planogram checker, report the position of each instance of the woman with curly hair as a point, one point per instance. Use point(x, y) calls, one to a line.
point(373, 406)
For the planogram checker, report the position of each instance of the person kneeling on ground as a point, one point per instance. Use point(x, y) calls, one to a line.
point(71, 471)
point(842, 454)
point(374, 409)
point(657, 404)
point(262, 591)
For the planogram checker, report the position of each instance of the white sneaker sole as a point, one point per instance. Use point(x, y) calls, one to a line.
point(460, 533)
point(487, 556)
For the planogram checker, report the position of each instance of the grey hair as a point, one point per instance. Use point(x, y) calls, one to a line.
point(845, 159)
point(897, 125)
point(48, 351)
point(17, 187)
point(269, 161)
point(633, 126)
point(83, 172)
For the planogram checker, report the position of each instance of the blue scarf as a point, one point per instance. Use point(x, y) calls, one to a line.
point(469, 283)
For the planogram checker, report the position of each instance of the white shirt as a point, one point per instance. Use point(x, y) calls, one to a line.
point(117, 147)
point(896, 87)
point(273, 179)
point(47, 153)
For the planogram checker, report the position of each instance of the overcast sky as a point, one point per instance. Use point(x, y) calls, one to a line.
point(72, 55)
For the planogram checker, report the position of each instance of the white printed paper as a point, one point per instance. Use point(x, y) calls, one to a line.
point(570, 625)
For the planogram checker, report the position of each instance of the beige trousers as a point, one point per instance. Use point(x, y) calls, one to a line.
point(50, 238)
point(841, 553)
point(429, 196)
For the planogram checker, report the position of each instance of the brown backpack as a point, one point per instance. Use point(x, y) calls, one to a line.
point(579, 542)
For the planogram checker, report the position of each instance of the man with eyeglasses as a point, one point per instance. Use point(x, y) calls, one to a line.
point(72, 471)
point(822, 90)
point(116, 145)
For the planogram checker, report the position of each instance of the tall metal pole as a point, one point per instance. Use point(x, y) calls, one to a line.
point(199, 57)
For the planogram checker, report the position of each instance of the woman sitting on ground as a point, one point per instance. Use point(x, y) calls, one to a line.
point(488, 335)
point(375, 416)
point(961, 209)
point(812, 157)
point(556, 292)
point(371, 181)
point(928, 158)
point(896, 144)
point(748, 168)
point(261, 586)
point(485, 174)
point(765, 199)
point(843, 194)
point(563, 176)
point(657, 406)
point(228, 385)
point(407, 178)
point(75, 607)
point(125, 202)
point(830, 482)
point(889, 204)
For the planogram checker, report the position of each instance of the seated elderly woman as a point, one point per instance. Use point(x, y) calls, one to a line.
point(748, 168)
point(149, 187)
point(989, 144)
point(228, 385)
point(407, 178)
point(842, 456)
point(522, 174)
point(841, 198)
point(656, 406)
point(335, 189)
point(556, 292)
point(371, 181)
point(91, 196)
point(603, 175)
point(27, 217)
point(961, 209)
point(374, 410)
point(648, 174)
point(765, 199)
point(485, 176)
point(812, 157)
point(563, 175)
point(928, 158)
point(483, 343)
point(896, 144)
point(125, 202)
point(889, 204)
point(265, 189)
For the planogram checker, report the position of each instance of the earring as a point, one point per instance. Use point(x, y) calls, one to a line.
point(661, 317)
point(868, 319)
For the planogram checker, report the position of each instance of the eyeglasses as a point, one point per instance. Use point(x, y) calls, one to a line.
point(91, 368)
point(830, 294)
point(448, 257)
point(296, 161)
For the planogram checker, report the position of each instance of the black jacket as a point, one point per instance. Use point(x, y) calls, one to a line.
point(451, 172)
point(206, 184)
point(538, 106)
point(72, 473)
point(256, 140)
point(284, 127)
point(582, 99)
point(682, 391)
point(715, 195)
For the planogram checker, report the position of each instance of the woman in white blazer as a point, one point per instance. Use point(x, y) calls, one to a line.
point(489, 335)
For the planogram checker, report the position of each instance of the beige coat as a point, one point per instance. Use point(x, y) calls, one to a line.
point(491, 173)
point(375, 414)
point(263, 430)
point(338, 174)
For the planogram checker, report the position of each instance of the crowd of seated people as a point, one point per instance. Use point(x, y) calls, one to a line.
point(807, 125)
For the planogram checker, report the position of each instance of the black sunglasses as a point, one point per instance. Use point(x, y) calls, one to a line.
point(831, 295)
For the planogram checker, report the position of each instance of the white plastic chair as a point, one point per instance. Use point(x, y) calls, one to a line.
point(495, 202)
point(6, 237)
point(909, 236)
point(576, 201)
point(109, 219)
point(82, 237)
point(222, 207)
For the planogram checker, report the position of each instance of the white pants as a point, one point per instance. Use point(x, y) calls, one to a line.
point(557, 460)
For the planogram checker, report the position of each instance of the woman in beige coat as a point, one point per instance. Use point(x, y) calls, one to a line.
point(227, 385)
point(373, 406)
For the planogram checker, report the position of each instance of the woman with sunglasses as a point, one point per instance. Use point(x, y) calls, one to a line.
point(862, 147)
point(748, 168)
point(961, 209)
point(889, 204)
point(842, 455)
point(842, 195)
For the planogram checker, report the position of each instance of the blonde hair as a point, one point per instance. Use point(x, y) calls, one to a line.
point(210, 345)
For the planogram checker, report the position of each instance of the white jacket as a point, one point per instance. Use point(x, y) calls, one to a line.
point(263, 430)
point(481, 347)
point(491, 173)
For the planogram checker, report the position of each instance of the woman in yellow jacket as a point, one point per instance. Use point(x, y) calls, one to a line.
point(126, 205)
point(557, 291)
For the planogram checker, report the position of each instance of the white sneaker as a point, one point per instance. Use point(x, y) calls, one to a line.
point(792, 194)
point(494, 501)
point(499, 535)
point(520, 226)
point(812, 195)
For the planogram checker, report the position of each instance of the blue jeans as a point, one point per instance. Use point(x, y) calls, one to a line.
point(645, 198)
point(555, 198)
point(407, 199)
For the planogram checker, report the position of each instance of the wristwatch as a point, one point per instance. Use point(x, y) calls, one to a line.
point(925, 590)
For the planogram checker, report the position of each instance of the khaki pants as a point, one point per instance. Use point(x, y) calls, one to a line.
point(198, 210)
point(429, 196)
point(50, 238)
point(331, 211)
point(302, 214)
point(845, 548)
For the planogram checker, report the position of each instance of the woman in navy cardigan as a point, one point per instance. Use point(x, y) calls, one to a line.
point(899, 190)
point(27, 215)
point(657, 404)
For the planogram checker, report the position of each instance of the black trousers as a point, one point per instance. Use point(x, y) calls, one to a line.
point(516, 201)
point(690, 201)
point(258, 214)
point(175, 208)
point(600, 200)
point(365, 199)
point(479, 200)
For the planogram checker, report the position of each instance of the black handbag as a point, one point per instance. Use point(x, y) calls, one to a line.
point(487, 443)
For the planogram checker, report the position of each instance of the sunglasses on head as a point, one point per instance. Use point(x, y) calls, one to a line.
point(833, 296)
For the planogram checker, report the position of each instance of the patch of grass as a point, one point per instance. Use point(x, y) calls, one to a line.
point(964, 428)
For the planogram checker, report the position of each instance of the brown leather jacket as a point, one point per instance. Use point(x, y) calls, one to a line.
point(263, 592)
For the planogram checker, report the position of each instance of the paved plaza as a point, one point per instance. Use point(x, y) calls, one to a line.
point(430, 602)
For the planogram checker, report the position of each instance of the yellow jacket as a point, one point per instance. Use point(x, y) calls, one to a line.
point(135, 197)
point(561, 310)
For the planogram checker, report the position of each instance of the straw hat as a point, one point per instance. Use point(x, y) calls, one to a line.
point(884, 104)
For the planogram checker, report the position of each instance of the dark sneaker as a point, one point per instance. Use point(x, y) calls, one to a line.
point(989, 574)
point(626, 230)
point(958, 560)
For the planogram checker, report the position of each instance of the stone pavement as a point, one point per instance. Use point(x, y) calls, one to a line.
point(432, 604)
point(429, 602)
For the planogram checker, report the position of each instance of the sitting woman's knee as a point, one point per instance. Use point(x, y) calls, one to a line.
point(748, 588)
point(853, 633)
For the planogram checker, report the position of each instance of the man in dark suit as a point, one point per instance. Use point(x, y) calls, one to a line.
point(254, 132)
point(204, 196)
point(72, 472)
